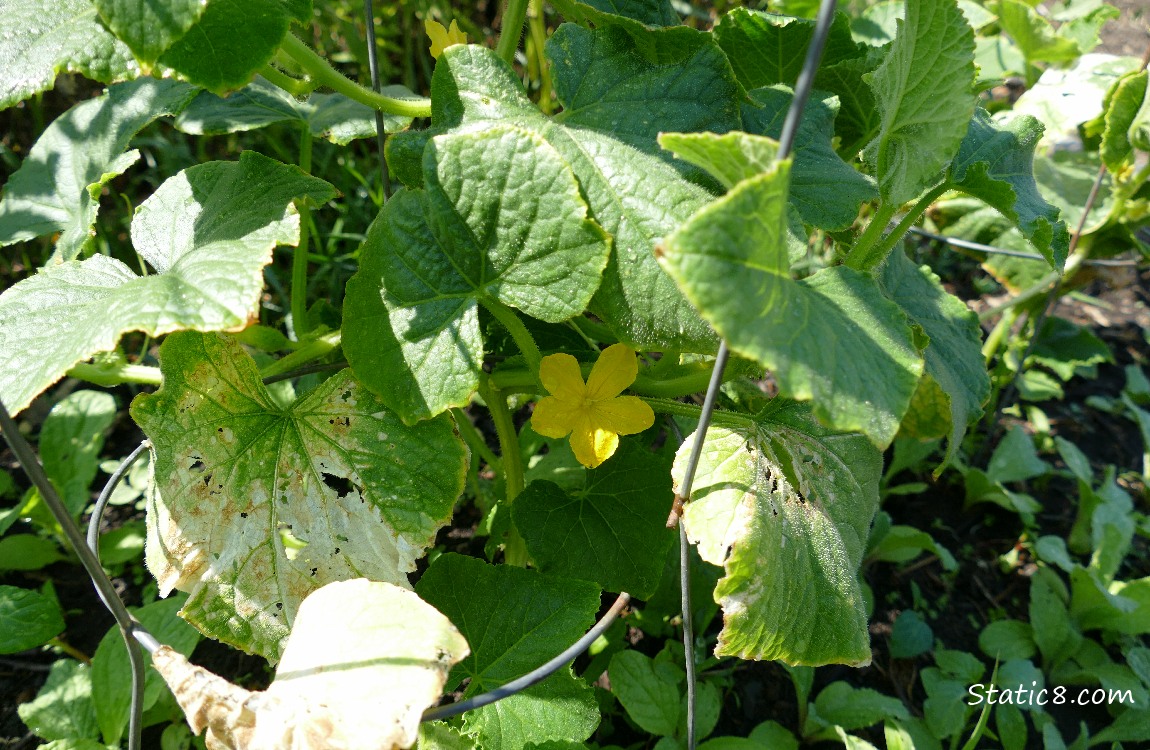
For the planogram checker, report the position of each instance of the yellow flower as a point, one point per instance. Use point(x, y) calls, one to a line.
point(593, 413)
point(442, 38)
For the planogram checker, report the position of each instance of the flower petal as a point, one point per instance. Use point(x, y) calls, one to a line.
point(554, 417)
point(438, 35)
point(615, 370)
point(561, 377)
point(625, 415)
point(592, 446)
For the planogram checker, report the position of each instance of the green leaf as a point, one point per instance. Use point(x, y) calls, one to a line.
point(537, 615)
point(1056, 637)
point(208, 232)
point(787, 496)
point(649, 12)
point(731, 262)
point(30, 619)
point(1007, 639)
point(70, 444)
point(650, 698)
point(259, 104)
point(996, 164)
point(40, 38)
point(826, 190)
point(902, 544)
point(515, 620)
point(1124, 105)
point(766, 48)
point(57, 188)
point(607, 135)
point(945, 708)
point(63, 708)
point(610, 529)
point(1033, 34)
point(149, 27)
point(235, 470)
point(910, 636)
point(229, 43)
point(855, 708)
point(562, 707)
point(28, 552)
point(1015, 459)
point(436, 735)
point(112, 672)
point(858, 119)
point(924, 116)
point(1119, 607)
point(501, 221)
point(953, 358)
point(1011, 726)
point(1066, 347)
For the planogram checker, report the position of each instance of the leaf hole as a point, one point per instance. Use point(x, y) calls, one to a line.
point(341, 486)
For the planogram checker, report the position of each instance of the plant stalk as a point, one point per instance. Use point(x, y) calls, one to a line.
point(514, 14)
point(300, 323)
point(324, 74)
point(309, 352)
point(515, 551)
point(109, 375)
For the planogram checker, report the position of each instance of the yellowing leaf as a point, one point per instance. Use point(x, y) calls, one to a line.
point(363, 662)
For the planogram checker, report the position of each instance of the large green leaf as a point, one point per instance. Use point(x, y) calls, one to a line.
point(237, 474)
point(651, 697)
point(610, 530)
point(617, 101)
point(785, 506)
point(1127, 109)
point(832, 337)
point(649, 12)
point(208, 232)
point(1033, 34)
point(500, 222)
point(70, 444)
point(923, 89)
point(364, 660)
point(954, 356)
point(63, 709)
point(259, 104)
point(826, 190)
point(229, 43)
point(515, 620)
point(40, 38)
point(149, 27)
point(996, 164)
point(766, 48)
point(57, 188)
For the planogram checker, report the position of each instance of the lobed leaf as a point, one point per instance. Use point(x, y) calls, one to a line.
point(208, 232)
point(235, 472)
point(149, 27)
point(792, 498)
point(633, 192)
point(609, 529)
point(923, 89)
point(41, 38)
point(57, 188)
point(832, 337)
point(501, 221)
point(995, 163)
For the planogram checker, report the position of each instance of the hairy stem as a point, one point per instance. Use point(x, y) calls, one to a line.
point(324, 74)
point(871, 235)
point(515, 551)
point(523, 338)
point(293, 86)
point(514, 13)
point(115, 374)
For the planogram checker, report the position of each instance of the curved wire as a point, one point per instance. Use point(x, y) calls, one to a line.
point(535, 676)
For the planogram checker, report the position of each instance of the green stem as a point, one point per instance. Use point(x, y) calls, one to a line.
point(514, 14)
point(876, 250)
point(998, 334)
point(299, 259)
point(871, 235)
point(115, 374)
point(324, 74)
point(515, 551)
point(537, 29)
point(523, 338)
point(293, 86)
point(309, 352)
point(692, 411)
point(474, 440)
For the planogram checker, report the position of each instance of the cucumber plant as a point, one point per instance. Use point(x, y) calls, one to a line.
point(602, 240)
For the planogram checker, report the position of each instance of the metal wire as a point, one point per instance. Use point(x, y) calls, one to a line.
point(373, 65)
point(803, 86)
point(130, 628)
point(991, 250)
point(536, 675)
